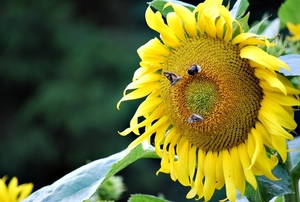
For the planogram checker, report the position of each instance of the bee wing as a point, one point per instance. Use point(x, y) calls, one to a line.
point(195, 118)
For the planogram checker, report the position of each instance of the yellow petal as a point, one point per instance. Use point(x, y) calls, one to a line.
point(4, 194)
point(290, 90)
point(13, 188)
point(173, 163)
point(198, 187)
point(295, 30)
point(228, 175)
point(134, 125)
point(192, 193)
point(265, 135)
point(175, 24)
point(209, 9)
point(258, 144)
point(155, 22)
point(274, 128)
point(187, 17)
point(139, 73)
point(183, 161)
point(277, 114)
point(139, 93)
point(265, 165)
point(261, 57)
point(145, 108)
point(245, 161)
point(212, 3)
point(150, 131)
point(159, 137)
point(243, 37)
point(210, 27)
point(272, 79)
point(220, 27)
point(220, 180)
point(156, 114)
point(168, 164)
point(25, 190)
point(145, 69)
point(226, 15)
point(285, 100)
point(164, 164)
point(210, 174)
point(198, 11)
point(255, 42)
point(171, 136)
point(154, 46)
point(280, 145)
point(294, 38)
point(147, 79)
point(153, 97)
point(192, 161)
point(239, 178)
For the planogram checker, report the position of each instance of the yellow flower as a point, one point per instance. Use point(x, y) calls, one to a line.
point(215, 100)
point(295, 30)
point(13, 192)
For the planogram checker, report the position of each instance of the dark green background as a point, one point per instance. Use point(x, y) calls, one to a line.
point(63, 68)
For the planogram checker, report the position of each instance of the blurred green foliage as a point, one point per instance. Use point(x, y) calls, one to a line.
point(63, 68)
point(64, 65)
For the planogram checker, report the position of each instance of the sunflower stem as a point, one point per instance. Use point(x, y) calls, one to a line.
point(294, 197)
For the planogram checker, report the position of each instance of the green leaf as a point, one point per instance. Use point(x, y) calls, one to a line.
point(295, 171)
point(289, 12)
point(159, 5)
point(244, 24)
point(293, 61)
point(252, 194)
point(83, 182)
point(275, 188)
point(295, 80)
point(268, 189)
point(145, 198)
point(255, 28)
point(239, 9)
point(279, 199)
point(295, 156)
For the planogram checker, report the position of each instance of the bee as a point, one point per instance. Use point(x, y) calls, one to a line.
point(194, 69)
point(195, 118)
point(173, 78)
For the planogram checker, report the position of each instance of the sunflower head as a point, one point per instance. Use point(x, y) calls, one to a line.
point(214, 99)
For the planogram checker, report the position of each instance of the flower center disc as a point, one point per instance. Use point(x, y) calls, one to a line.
point(225, 93)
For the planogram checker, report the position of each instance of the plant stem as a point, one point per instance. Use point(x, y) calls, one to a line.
point(294, 185)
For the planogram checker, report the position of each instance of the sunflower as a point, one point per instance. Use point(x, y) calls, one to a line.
point(218, 107)
point(295, 31)
point(13, 192)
